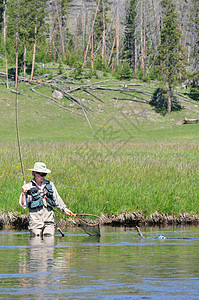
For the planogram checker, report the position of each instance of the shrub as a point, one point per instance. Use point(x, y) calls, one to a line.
point(123, 71)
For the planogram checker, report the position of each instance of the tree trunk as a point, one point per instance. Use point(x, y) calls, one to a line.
point(4, 39)
point(113, 46)
point(51, 46)
point(89, 39)
point(159, 30)
point(92, 51)
point(16, 64)
point(180, 17)
point(112, 63)
point(135, 63)
point(60, 32)
point(24, 59)
point(117, 38)
point(34, 50)
point(142, 39)
point(103, 38)
point(76, 37)
point(169, 98)
point(83, 38)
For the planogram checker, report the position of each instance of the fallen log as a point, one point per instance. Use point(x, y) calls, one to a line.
point(131, 100)
point(120, 89)
point(186, 121)
point(188, 99)
point(11, 76)
point(52, 99)
point(83, 86)
point(71, 97)
point(95, 97)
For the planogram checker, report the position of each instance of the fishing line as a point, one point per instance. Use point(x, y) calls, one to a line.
point(87, 119)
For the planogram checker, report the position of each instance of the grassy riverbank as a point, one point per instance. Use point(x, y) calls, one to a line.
point(121, 157)
point(143, 177)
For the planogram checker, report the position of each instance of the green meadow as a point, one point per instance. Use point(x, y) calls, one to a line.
point(113, 153)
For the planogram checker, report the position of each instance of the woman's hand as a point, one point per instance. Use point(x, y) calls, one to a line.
point(68, 212)
point(25, 188)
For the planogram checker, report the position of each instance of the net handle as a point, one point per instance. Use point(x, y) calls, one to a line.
point(92, 225)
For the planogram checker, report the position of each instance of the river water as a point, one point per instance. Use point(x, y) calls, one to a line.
point(118, 265)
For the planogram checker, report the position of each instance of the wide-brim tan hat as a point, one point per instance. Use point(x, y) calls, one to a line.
point(40, 167)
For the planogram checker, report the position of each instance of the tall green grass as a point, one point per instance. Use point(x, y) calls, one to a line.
point(129, 159)
point(144, 177)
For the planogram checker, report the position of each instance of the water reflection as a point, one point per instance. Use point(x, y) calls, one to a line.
point(39, 262)
point(41, 254)
point(51, 260)
point(118, 265)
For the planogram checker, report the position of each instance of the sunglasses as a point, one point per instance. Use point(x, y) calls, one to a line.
point(41, 174)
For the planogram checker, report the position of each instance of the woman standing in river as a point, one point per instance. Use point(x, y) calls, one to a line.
point(40, 196)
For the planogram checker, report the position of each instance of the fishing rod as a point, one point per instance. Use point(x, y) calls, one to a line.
point(16, 101)
point(89, 223)
point(17, 126)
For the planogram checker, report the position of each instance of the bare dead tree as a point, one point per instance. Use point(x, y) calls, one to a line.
point(91, 33)
point(4, 39)
point(60, 31)
point(103, 37)
point(34, 49)
point(113, 46)
point(83, 35)
point(117, 38)
point(142, 33)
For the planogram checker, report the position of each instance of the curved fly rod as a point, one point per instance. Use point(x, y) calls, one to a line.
point(17, 128)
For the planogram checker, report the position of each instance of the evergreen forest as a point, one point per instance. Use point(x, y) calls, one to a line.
point(145, 39)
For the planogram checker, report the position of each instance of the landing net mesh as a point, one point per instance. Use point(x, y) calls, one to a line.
point(89, 223)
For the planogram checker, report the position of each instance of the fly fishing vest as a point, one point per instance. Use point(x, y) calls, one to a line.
point(39, 201)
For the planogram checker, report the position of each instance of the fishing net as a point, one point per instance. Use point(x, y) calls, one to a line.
point(89, 223)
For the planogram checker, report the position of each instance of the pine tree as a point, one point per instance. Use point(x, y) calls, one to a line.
point(194, 91)
point(195, 21)
point(58, 12)
point(169, 58)
point(99, 25)
point(14, 29)
point(100, 30)
point(129, 33)
point(38, 12)
point(26, 20)
point(2, 8)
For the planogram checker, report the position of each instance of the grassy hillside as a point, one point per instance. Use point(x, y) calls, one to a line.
point(115, 154)
point(125, 111)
